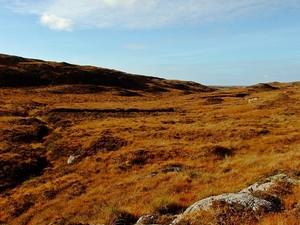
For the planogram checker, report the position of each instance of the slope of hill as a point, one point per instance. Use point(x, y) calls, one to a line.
point(78, 146)
point(21, 72)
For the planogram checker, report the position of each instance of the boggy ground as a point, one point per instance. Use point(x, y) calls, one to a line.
point(142, 152)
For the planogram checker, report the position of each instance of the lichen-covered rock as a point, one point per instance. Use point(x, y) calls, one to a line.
point(243, 199)
point(257, 187)
point(147, 219)
point(270, 182)
point(283, 177)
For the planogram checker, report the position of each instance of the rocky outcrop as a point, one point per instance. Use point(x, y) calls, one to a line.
point(254, 200)
point(257, 187)
point(244, 198)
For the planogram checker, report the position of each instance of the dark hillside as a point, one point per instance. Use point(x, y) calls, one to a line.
point(21, 72)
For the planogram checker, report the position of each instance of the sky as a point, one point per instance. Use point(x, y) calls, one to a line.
point(211, 42)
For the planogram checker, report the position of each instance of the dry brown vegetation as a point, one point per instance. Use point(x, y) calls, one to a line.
point(154, 147)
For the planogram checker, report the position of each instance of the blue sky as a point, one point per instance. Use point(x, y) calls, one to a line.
point(212, 42)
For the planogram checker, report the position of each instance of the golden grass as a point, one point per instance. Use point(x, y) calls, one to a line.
point(220, 147)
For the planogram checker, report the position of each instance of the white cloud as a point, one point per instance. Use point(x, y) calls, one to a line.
point(146, 14)
point(56, 23)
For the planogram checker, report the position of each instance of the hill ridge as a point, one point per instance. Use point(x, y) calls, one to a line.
point(17, 71)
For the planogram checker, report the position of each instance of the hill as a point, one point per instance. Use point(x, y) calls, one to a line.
point(78, 146)
point(22, 72)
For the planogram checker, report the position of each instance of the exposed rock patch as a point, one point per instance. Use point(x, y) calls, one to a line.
point(271, 181)
point(246, 200)
point(240, 198)
point(147, 219)
point(257, 187)
point(252, 201)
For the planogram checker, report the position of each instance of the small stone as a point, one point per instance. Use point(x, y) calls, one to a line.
point(147, 219)
point(71, 159)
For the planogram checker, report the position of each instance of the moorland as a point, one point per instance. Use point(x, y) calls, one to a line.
point(88, 145)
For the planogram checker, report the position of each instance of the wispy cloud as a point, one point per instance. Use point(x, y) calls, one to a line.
point(56, 23)
point(145, 14)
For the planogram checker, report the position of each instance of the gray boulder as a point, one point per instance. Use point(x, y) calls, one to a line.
point(244, 199)
point(257, 187)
